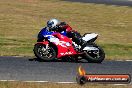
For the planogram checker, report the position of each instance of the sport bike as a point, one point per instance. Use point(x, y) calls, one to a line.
point(58, 46)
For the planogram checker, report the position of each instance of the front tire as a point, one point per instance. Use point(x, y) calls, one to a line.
point(44, 54)
point(94, 58)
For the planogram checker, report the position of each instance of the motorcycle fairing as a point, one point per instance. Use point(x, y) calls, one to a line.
point(62, 42)
point(89, 48)
point(64, 45)
point(90, 36)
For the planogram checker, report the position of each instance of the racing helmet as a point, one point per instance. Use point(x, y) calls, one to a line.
point(52, 23)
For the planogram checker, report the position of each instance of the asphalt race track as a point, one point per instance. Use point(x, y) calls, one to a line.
point(24, 69)
point(107, 2)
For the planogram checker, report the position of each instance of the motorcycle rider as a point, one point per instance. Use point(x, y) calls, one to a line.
point(58, 26)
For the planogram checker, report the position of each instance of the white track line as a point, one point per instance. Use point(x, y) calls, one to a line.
point(53, 82)
point(8, 80)
point(36, 81)
point(20, 80)
point(65, 82)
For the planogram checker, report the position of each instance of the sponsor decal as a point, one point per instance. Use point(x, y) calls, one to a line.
point(82, 77)
point(66, 53)
point(57, 41)
point(61, 43)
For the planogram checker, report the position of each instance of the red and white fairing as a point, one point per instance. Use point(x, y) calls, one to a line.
point(63, 43)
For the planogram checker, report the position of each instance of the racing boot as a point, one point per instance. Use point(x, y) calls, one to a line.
point(83, 44)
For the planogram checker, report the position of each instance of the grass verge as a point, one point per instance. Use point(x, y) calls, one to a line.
point(56, 85)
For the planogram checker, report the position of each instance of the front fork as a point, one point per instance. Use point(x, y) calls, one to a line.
point(46, 43)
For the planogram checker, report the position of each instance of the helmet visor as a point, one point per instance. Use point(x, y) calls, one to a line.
point(50, 24)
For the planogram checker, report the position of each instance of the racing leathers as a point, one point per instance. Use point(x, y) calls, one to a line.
point(76, 37)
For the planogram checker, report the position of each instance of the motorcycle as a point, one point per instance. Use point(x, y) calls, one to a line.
point(58, 46)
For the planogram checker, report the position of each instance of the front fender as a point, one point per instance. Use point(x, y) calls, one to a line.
point(44, 43)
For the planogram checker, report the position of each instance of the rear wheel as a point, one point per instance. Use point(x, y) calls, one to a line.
point(95, 56)
point(42, 53)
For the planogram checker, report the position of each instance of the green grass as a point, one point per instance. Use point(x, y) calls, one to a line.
point(21, 20)
point(117, 51)
point(56, 85)
point(16, 47)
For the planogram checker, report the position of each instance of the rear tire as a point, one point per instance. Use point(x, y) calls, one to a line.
point(92, 59)
point(47, 55)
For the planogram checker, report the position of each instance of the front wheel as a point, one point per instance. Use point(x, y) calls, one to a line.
point(44, 54)
point(95, 56)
